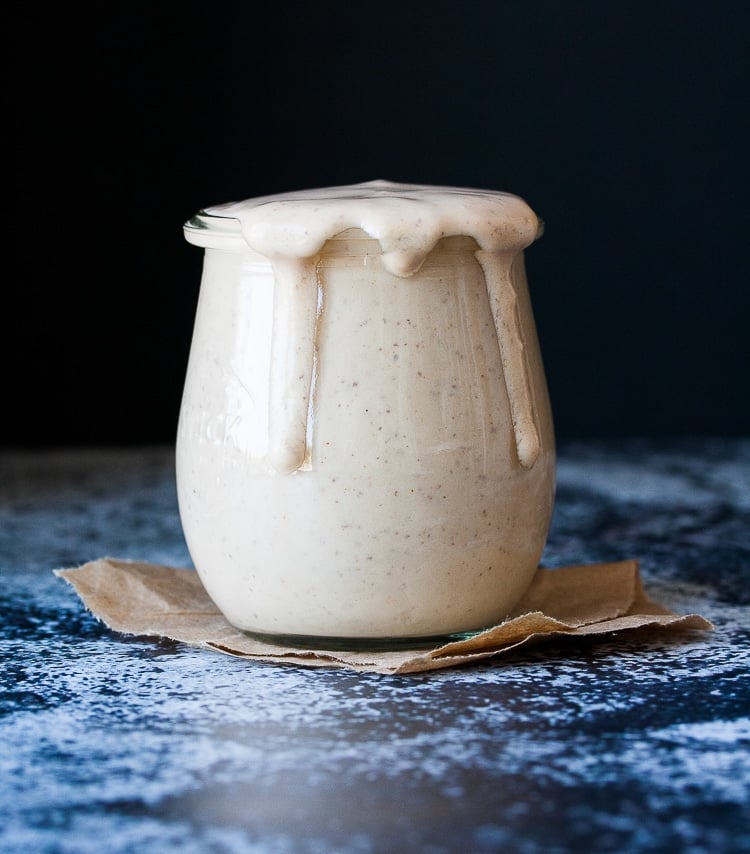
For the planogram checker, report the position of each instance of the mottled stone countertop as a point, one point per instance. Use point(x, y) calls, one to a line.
point(118, 744)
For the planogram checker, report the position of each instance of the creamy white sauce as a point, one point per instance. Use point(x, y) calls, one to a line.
point(407, 220)
point(365, 446)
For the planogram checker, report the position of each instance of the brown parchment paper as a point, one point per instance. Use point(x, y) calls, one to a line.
point(161, 601)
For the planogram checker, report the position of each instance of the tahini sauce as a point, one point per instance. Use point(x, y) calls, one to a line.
point(411, 538)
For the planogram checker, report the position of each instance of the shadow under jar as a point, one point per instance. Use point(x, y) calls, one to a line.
point(364, 458)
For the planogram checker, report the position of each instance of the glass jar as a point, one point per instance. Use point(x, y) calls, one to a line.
point(395, 505)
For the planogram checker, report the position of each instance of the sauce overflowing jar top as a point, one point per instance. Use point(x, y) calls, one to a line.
point(406, 219)
point(289, 230)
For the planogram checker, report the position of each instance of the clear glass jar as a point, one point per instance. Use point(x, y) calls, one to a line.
point(410, 515)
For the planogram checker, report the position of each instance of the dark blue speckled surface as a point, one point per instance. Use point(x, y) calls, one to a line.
point(122, 745)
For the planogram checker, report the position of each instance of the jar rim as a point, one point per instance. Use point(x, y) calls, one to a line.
point(212, 231)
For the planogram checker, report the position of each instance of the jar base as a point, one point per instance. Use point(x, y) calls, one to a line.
point(348, 644)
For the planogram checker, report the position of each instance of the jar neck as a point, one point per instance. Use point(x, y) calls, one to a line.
point(224, 233)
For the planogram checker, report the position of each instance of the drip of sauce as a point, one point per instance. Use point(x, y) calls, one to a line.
point(407, 220)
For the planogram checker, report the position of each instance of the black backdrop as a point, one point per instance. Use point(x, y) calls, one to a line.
point(623, 124)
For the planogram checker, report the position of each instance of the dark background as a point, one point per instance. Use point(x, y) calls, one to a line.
point(624, 125)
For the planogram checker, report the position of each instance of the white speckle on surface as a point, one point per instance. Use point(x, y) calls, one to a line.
point(627, 744)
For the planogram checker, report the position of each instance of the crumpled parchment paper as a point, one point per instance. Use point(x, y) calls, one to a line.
point(160, 601)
